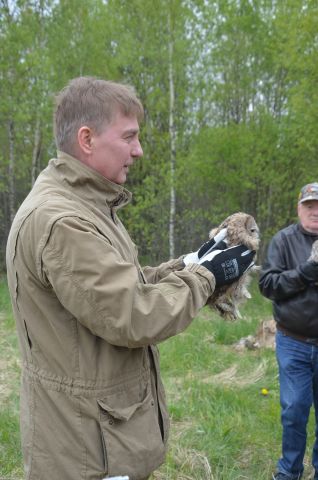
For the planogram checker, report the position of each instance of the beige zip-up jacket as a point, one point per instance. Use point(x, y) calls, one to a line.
point(88, 318)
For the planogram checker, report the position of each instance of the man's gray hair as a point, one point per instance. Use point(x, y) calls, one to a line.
point(92, 102)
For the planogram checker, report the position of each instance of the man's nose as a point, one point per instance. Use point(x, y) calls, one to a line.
point(137, 150)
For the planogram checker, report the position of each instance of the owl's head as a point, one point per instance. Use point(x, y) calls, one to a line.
point(252, 230)
point(241, 229)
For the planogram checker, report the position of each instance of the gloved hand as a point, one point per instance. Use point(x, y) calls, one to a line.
point(309, 272)
point(218, 242)
point(228, 265)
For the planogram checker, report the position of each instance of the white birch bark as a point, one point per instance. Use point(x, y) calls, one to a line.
point(11, 182)
point(36, 149)
point(172, 136)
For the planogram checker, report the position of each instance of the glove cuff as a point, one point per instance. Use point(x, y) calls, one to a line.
point(191, 258)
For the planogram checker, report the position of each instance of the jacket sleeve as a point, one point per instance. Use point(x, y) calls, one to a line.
point(277, 280)
point(155, 274)
point(103, 291)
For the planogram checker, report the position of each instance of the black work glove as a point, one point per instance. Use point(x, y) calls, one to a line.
point(217, 242)
point(228, 265)
point(308, 272)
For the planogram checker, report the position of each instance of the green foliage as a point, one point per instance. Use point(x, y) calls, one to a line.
point(245, 76)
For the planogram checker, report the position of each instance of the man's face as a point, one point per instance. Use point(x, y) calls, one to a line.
point(308, 215)
point(116, 148)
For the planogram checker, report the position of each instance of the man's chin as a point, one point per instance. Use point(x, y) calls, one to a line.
point(122, 179)
point(313, 228)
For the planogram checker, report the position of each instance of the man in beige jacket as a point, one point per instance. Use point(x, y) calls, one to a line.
point(88, 316)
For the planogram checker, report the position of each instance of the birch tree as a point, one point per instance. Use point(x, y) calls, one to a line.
point(172, 136)
point(229, 90)
point(151, 49)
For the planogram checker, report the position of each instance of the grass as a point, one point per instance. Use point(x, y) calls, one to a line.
point(222, 427)
point(10, 449)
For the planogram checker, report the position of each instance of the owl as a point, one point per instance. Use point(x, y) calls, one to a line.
point(241, 229)
point(314, 252)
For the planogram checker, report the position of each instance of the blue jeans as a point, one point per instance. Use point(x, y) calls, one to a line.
point(298, 376)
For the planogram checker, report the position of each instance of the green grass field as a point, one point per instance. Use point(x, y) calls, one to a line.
point(223, 428)
point(10, 451)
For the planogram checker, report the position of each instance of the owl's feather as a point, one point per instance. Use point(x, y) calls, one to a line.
point(241, 229)
point(314, 252)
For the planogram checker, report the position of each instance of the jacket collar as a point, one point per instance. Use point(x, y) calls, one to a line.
point(90, 185)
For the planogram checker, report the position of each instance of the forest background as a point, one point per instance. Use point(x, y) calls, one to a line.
point(230, 95)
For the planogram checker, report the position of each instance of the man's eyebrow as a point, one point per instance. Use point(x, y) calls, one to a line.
point(131, 131)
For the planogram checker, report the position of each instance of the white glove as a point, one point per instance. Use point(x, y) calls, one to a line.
point(219, 242)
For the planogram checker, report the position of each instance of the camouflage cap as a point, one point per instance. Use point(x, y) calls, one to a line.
point(308, 192)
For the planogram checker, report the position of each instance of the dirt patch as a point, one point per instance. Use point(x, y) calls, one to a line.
point(264, 337)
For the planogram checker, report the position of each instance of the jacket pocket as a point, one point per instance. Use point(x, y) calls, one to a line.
point(131, 438)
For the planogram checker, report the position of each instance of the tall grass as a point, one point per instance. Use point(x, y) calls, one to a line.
point(10, 450)
point(222, 427)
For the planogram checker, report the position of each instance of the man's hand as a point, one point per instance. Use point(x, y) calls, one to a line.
point(217, 242)
point(228, 265)
point(309, 272)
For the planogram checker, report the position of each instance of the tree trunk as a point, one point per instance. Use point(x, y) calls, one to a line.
point(11, 182)
point(36, 149)
point(172, 136)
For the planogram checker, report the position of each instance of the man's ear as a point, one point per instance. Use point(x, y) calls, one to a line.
point(84, 138)
point(298, 208)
